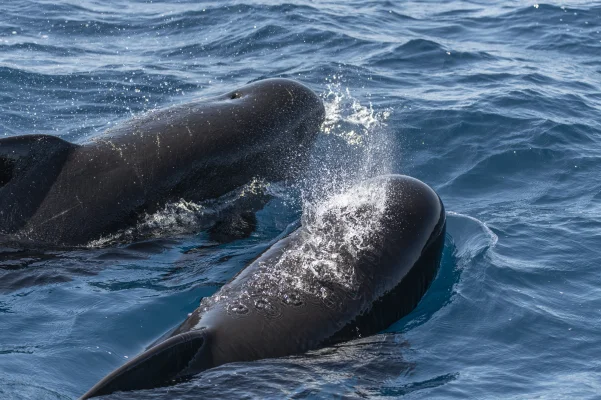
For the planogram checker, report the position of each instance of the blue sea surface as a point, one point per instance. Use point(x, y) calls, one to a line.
point(495, 104)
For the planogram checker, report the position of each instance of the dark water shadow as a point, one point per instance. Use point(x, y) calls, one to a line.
point(23, 268)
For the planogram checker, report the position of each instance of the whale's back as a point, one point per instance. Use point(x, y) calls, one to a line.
point(29, 165)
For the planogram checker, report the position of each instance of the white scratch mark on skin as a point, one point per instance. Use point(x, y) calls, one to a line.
point(291, 96)
point(139, 174)
point(60, 214)
point(113, 146)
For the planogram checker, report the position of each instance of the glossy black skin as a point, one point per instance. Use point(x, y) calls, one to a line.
point(60, 193)
point(392, 278)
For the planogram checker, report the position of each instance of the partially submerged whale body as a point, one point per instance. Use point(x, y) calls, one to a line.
point(360, 261)
point(60, 193)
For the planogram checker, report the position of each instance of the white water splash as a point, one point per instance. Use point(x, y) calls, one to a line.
point(342, 208)
point(342, 211)
point(346, 117)
point(185, 217)
point(354, 145)
point(335, 232)
point(319, 257)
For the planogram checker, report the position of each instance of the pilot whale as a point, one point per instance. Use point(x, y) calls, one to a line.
point(359, 262)
point(60, 193)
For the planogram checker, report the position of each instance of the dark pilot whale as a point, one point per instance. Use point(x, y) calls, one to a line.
point(358, 263)
point(60, 193)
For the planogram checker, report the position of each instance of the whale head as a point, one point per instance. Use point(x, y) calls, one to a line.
point(280, 117)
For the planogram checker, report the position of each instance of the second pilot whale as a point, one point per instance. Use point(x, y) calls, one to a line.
point(60, 193)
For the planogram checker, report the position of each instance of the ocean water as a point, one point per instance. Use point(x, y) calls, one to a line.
point(495, 104)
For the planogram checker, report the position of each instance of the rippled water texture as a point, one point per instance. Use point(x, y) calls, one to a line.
point(496, 104)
